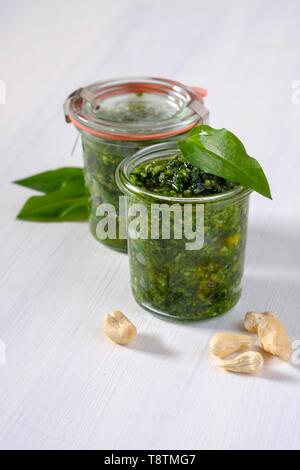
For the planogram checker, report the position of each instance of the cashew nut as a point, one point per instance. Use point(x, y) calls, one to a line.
point(249, 362)
point(252, 320)
point(118, 328)
point(224, 344)
point(273, 336)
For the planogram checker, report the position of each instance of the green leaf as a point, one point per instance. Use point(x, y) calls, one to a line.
point(68, 204)
point(53, 180)
point(221, 153)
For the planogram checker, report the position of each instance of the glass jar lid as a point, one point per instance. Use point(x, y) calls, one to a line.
point(136, 108)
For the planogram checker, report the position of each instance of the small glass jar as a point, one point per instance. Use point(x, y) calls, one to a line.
point(116, 118)
point(170, 279)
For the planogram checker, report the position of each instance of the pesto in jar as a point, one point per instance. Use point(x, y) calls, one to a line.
point(101, 159)
point(177, 178)
point(170, 280)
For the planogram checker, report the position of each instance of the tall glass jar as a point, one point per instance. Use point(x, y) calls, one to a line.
point(169, 276)
point(116, 118)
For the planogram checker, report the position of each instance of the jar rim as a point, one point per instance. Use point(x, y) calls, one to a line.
point(162, 151)
point(175, 108)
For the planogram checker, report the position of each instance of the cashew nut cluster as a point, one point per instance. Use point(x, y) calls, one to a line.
point(273, 339)
point(118, 328)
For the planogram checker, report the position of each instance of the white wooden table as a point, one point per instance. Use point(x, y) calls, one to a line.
point(64, 386)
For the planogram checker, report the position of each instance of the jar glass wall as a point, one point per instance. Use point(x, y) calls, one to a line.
point(166, 277)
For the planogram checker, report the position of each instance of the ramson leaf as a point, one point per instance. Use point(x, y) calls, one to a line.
point(53, 180)
point(221, 153)
point(68, 204)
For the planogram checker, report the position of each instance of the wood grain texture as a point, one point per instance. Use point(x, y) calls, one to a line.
point(65, 386)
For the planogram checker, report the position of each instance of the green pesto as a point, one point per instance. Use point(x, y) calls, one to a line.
point(177, 178)
point(101, 158)
point(189, 285)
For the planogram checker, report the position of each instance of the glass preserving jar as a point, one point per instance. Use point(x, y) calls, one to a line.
point(168, 278)
point(116, 118)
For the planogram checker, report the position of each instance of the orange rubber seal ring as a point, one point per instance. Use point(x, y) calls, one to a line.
point(113, 136)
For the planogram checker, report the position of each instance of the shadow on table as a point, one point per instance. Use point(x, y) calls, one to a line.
point(273, 271)
point(272, 278)
point(274, 246)
point(152, 344)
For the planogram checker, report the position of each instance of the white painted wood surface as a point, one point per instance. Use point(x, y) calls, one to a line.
point(64, 386)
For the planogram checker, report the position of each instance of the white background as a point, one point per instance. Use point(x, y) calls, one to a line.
point(65, 386)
